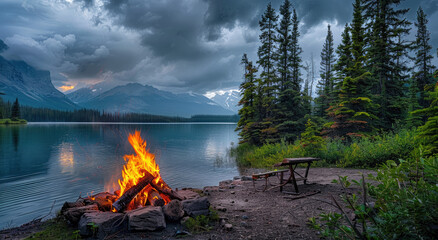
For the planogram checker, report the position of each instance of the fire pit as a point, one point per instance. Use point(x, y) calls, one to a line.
point(143, 203)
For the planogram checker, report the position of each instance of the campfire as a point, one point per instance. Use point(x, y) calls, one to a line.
point(141, 183)
point(143, 202)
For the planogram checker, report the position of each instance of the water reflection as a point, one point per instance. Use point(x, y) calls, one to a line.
point(66, 157)
point(40, 163)
point(15, 136)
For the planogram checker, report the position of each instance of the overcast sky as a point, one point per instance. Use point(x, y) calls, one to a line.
point(175, 45)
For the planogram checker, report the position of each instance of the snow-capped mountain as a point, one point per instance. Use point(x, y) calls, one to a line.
point(138, 98)
point(227, 99)
point(32, 87)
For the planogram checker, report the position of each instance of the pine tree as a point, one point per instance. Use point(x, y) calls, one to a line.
point(345, 58)
point(266, 54)
point(413, 120)
point(326, 85)
point(428, 133)
point(292, 103)
point(352, 112)
point(268, 87)
point(284, 40)
point(15, 110)
point(387, 26)
point(247, 112)
point(424, 68)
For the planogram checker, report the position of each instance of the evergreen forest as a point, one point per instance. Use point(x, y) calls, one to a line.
point(374, 105)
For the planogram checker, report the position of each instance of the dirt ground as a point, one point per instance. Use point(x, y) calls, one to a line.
point(252, 214)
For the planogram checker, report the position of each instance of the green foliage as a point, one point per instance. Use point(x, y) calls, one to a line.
point(202, 223)
point(368, 152)
point(428, 133)
point(423, 65)
point(56, 228)
point(310, 140)
point(326, 84)
point(10, 121)
point(402, 204)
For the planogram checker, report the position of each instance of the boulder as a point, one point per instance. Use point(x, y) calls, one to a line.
point(101, 224)
point(173, 211)
point(68, 205)
point(73, 215)
point(149, 218)
point(196, 207)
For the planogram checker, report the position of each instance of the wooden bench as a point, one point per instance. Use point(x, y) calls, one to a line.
point(266, 175)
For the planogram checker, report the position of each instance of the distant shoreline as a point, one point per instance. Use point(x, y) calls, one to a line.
point(132, 123)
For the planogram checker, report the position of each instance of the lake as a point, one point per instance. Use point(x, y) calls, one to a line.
point(41, 163)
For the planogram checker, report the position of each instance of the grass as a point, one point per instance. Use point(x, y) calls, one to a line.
point(56, 228)
point(361, 153)
point(7, 121)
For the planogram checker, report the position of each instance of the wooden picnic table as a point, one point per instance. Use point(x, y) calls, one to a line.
point(292, 163)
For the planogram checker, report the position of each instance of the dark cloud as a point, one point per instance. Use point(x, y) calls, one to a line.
point(227, 13)
point(3, 46)
point(178, 45)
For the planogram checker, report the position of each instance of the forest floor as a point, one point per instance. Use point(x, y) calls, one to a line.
point(252, 214)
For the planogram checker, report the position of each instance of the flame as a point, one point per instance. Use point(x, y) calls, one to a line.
point(135, 168)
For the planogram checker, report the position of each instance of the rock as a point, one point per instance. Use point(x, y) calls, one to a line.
point(196, 207)
point(244, 224)
point(232, 192)
point(245, 217)
point(222, 209)
point(188, 193)
point(173, 211)
point(246, 178)
point(236, 178)
point(101, 224)
point(68, 205)
point(73, 215)
point(210, 189)
point(225, 183)
point(148, 218)
point(228, 227)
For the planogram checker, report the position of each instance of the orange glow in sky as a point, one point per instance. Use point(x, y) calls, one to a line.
point(66, 88)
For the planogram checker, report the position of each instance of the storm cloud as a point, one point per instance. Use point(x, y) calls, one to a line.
point(176, 45)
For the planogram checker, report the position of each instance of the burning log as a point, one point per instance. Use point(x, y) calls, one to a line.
point(163, 188)
point(121, 203)
point(155, 199)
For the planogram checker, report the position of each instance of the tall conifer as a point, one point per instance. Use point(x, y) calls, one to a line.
point(387, 26)
point(326, 84)
point(268, 77)
point(423, 57)
point(248, 122)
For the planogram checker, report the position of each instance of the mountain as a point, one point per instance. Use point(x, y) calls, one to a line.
point(227, 99)
point(87, 93)
point(138, 98)
point(32, 87)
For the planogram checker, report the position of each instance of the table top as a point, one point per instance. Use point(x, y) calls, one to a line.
point(289, 161)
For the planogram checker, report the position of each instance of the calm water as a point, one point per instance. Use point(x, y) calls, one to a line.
point(41, 163)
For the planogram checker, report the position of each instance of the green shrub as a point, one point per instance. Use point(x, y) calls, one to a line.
point(361, 153)
point(202, 223)
point(403, 204)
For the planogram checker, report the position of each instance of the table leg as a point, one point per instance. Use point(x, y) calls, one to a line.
point(307, 172)
point(281, 181)
point(293, 178)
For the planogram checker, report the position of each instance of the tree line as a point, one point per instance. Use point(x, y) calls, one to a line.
point(369, 83)
point(32, 114)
